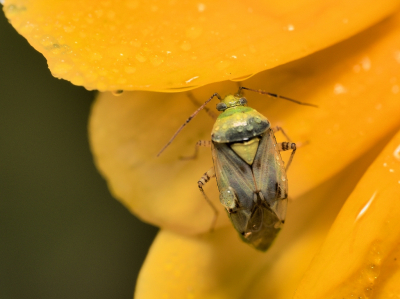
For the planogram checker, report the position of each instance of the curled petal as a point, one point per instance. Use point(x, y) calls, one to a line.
point(175, 45)
point(359, 257)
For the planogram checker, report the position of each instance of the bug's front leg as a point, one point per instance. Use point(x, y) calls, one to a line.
point(202, 181)
point(206, 143)
point(276, 129)
point(285, 146)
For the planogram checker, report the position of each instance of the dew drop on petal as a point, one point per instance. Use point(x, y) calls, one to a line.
point(186, 46)
point(156, 60)
point(201, 7)
point(129, 69)
point(140, 57)
point(339, 89)
point(396, 153)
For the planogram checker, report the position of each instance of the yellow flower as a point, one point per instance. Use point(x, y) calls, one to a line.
point(349, 156)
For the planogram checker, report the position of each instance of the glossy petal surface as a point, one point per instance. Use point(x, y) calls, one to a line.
point(218, 265)
point(359, 257)
point(178, 45)
point(355, 83)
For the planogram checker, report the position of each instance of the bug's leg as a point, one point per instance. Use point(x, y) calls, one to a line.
point(199, 143)
point(208, 110)
point(285, 146)
point(276, 129)
point(202, 181)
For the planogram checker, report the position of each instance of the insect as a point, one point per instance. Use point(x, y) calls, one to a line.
point(248, 167)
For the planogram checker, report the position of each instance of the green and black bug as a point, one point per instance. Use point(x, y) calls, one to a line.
point(248, 167)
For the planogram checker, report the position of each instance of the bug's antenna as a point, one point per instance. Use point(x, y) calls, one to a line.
point(276, 96)
point(188, 120)
point(206, 109)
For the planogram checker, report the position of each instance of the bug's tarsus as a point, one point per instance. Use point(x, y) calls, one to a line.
point(293, 148)
point(188, 120)
point(203, 180)
point(276, 96)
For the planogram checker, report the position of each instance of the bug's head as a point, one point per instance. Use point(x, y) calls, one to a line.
point(231, 101)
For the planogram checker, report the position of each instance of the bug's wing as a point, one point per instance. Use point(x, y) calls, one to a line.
point(263, 227)
point(231, 171)
point(270, 176)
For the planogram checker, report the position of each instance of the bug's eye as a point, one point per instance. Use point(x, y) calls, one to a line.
point(221, 106)
point(243, 101)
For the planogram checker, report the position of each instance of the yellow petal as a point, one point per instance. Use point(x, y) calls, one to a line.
point(359, 257)
point(355, 83)
point(220, 265)
point(170, 45)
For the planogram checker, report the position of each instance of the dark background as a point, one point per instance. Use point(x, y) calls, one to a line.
point(62, 235)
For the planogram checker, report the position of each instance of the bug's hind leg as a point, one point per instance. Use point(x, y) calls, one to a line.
point(285, 146)
point(206, 143)
point(202, 181)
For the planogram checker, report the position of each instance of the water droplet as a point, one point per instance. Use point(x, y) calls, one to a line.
point(339, 89)
point(239, 129)
point(257, 120)
point(186, 46)
point(61, 68)
point(89, 19)
point(117, 93)
point(223, 64)
point(111, 14)
point(193, 32)
point(156, 60)
point(249, 128)
point(140, 57)
point(129, 69)
point(135, 43)
point(201, 7)
point(99, 13)
point(396, 153)
point(366, 63)
point(49, 42)
point(96, 56)
point(132, 4)
point(397, 56)
point(290, 27)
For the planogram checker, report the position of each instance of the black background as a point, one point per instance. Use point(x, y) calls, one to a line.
point(62, 235)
